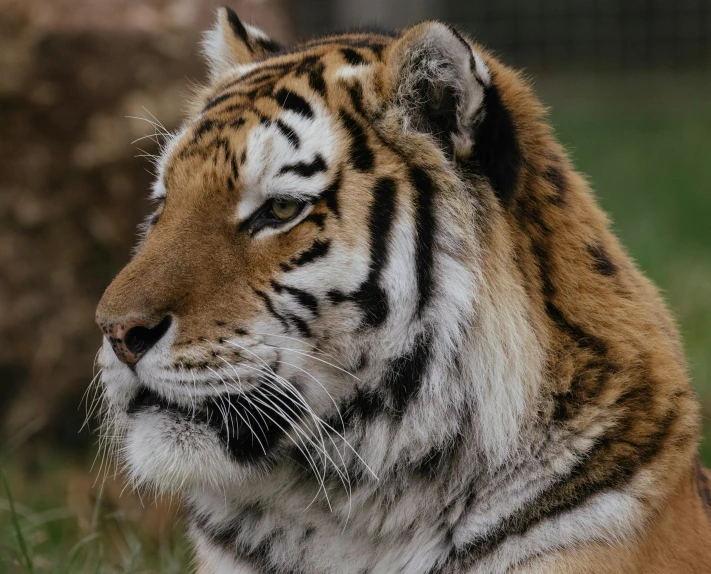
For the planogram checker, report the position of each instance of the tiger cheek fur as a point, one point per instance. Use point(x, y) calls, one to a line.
point(378, 323)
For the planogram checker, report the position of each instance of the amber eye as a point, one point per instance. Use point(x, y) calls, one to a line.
point(285, 209)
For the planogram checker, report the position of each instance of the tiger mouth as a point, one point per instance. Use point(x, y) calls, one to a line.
point(248, 424)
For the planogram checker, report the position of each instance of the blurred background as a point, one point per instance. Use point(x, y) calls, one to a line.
point(628, 85)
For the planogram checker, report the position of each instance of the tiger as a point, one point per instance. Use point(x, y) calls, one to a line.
point(378, 323)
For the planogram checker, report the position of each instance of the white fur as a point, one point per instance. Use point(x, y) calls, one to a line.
point(268, 151)
point(349, 72)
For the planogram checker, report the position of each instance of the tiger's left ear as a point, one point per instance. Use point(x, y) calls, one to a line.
point(438, 84)
point(232, 43)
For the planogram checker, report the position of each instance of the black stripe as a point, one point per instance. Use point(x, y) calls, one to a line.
point(556, 176)
point(377, 49)
point(268, 45)
point(204, 127)
point(425, 228)
point(259, 551)
point(218, 100)
point(289, 133)
point(270, 307)
point(602, 469)
point(364, 405)
point(438, 458)
point(238, 28)
point(303, 297)
point(330, 195)
point(293, 102)
point(405, 375)
point(464, 42)
point(316, 81)
point(318, 249)
point(601, 260)
point(236, 107)
point(361, 155)
point(306, 64)
point(277, 70)
point(303, 169)
point(353, 57)
point(335, 296)
point(593, 372)
point(318, 219)
point(370, 296)
point(582, 338)
point(314, 68)
point(355, 91)
point(301, 325)
point(235, 169)
point(221, 144)
point(497, 153)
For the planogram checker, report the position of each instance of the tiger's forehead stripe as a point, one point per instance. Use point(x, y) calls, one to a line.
point(261, 82)
point(266, 74)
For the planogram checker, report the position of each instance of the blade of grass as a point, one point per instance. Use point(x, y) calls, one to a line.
point(73, 553)
point(20, 538)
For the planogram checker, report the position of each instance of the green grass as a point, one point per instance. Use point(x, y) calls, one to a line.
point(53, 521)
point(646, 147)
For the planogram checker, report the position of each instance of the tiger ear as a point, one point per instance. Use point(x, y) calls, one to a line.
point(232, 43)
point(438, 83)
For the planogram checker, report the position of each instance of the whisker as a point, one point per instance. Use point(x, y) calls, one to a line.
point(305, 354)
point(301, 341)
point(317, 423)
point(299, 398)
point(236, 410)
point(246, 397)
point(302, 435)
point(323, 422)
point(156, 120)
point(160, 128)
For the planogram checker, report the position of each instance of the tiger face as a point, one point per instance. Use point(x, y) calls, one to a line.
point(296, 250)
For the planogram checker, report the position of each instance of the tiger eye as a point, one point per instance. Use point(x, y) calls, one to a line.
point(284, 208)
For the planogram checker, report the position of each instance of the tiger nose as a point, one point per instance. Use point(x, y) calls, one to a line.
point(131, 339)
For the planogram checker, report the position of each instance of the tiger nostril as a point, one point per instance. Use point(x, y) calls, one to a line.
point(131, 339)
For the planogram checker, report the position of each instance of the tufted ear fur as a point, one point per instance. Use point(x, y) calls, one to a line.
point(438, 83)
point(232, 43)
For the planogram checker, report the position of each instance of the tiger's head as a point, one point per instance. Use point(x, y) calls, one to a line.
point(326, 255)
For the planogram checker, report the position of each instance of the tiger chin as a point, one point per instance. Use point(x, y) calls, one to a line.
point(378, 323)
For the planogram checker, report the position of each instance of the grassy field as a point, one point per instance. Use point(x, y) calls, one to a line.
point(646, 146)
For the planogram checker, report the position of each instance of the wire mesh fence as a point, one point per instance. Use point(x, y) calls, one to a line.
point(547, 35)
point(597, 35)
